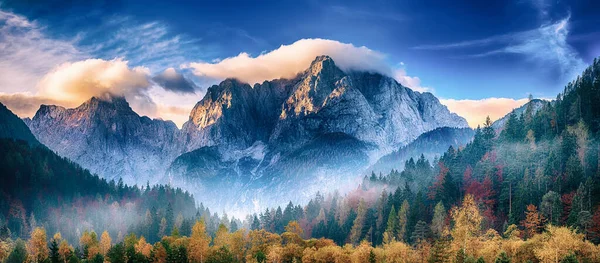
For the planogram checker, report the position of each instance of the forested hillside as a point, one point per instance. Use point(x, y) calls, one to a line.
point(40, 188)
point(530, 193)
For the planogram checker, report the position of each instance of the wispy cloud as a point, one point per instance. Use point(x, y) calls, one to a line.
point(38, 68)
point(408, 81)
point(546, 46)
point(26, 53)
point(150, 44)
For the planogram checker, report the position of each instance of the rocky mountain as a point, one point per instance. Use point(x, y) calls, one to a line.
point(431, 144)
point(12, 127)
point(310, 132)
point(317, 128)
point(107, 137)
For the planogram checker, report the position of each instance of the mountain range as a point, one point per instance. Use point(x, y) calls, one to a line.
point(247, 146)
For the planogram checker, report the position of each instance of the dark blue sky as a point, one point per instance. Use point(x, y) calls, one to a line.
point(459, 49)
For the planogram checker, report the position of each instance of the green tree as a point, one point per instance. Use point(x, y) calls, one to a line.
point(54, 255)
point(438, 221)
point(392, 224)
point(502, 258)
point(221, 255)
point(440, 251)
point(116, 253)
point(571, 258)
point(19, 253)
point(461, 256)
point(403, 220)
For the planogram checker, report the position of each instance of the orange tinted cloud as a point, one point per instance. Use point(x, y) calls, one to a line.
point(289, 60)
point(475, 111)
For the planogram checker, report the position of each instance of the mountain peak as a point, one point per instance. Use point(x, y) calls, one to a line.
point(322, 64)
point(106, 102)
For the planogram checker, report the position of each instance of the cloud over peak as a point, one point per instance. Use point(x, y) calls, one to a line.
point(289, 60)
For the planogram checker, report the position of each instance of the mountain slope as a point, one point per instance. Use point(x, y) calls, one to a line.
point(431, 144)
point(12, 127)
point(107, 137)
point(242, 137)
point(535, 104)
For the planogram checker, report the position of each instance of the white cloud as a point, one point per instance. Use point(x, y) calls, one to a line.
point(26, 53)
point(412, 82)
point(289, 60)
point(476, 111)
point(81, 80)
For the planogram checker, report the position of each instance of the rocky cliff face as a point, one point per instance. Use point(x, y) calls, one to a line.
point(107, 137)
point(318, 128)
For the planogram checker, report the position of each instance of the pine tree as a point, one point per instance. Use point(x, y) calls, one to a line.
point(402, 220)
point(502, 258)
point(359, 223)
point(420, 232)
point(391, 229)
point(54, 255)
point(440, 252)
point(18, 254)
point(438, 221)
point(461, 256)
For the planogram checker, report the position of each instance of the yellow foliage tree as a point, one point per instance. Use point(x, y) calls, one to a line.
point(143, 247)
point(65, 250)
point(38, 246)
point(261, 240)
point(237, 244)
point(558, 242)
point(362, 252)
point(467, 224)
point(221, 237)
point(399, 252)
point(105, 243)
point(160, 253)
point(199, 243)
point(293, 234)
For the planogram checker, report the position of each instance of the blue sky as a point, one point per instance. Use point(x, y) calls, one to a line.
point(460, 50)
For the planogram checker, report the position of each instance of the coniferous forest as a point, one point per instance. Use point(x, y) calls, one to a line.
point(330, 131)
point(528, 192)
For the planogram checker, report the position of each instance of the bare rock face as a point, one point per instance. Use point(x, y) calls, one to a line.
point(107, 137)
point(318, 129)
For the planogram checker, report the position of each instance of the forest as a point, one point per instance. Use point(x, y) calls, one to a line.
point(529, 192)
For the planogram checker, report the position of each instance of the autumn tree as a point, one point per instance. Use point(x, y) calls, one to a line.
point(533, 222)
point(38, 246)
point(199, 243)
point(359, 223)
point(105, 243)
point(467, 222)
point(142, 247)
point(221, 237)
point(558, 243)
point(402, 220)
